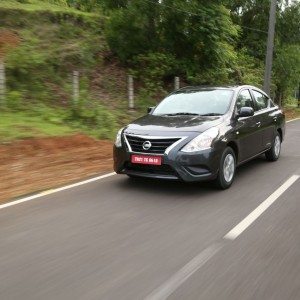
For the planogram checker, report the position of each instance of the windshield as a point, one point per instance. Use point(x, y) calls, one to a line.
point(212, 102)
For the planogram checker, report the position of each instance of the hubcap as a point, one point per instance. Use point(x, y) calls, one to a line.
point(277, 146)
point(228, 167)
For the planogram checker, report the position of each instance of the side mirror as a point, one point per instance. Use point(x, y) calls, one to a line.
point(149, 109)
point(246, 112)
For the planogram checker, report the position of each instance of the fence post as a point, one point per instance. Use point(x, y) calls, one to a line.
point(130, 92)
point(75, 87)
point(2, 83)
point(176, 83)
point(299, 95)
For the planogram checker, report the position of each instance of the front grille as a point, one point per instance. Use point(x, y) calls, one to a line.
point(151, 169)
point(158, 145)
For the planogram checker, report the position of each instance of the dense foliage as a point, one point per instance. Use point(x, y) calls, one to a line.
point(208, 42)
point(202, 42)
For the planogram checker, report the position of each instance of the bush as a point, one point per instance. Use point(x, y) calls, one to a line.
point(94, 118)
point(152, 68)
point(14, 100)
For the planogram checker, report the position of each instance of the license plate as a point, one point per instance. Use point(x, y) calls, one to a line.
point(146, 160)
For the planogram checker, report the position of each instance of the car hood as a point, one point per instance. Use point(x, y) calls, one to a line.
point(151, 124)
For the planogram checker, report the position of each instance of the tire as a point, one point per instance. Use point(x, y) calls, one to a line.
point(226, 173)
point(274, 153)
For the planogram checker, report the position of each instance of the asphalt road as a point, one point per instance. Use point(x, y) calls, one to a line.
point(121, 239)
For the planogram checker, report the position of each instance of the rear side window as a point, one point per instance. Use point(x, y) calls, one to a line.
point(244, 100)
point(261, 100)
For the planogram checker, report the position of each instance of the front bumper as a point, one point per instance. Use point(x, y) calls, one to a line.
point(177, 165)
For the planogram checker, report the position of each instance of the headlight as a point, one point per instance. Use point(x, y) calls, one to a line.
point(118, 141)
point(202, 141)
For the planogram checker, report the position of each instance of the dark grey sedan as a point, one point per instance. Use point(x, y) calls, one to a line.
point(201, 133)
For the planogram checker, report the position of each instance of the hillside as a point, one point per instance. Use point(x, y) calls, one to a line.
point(42, 42)
point(50, 42)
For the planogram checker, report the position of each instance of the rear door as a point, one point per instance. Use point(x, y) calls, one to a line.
point(265, 115)
point(247, 129)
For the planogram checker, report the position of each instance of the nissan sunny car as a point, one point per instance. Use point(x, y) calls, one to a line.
point(200, 134)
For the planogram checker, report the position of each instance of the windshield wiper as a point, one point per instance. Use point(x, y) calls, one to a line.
point(211, 114)
point(182, 114)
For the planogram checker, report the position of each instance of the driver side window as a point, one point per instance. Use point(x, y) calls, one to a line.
point(244, 100)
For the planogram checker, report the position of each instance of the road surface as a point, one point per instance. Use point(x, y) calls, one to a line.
point(116, 238)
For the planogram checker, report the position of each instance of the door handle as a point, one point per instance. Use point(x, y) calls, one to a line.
point(258, 124)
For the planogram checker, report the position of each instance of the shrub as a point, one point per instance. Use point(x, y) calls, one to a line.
point(14, 100)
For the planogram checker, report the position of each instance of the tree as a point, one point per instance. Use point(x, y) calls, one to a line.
point(286, 71)
point(252, 16)
point(133, 30)
point(200, 35)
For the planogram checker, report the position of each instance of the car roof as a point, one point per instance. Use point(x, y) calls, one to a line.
point(221, 87)
point(206, 87)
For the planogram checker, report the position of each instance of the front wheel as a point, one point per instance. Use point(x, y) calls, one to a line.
point(274, 153)
point(227, 169)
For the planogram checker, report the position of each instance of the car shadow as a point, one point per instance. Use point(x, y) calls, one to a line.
point(251, 165)
point(179, 188)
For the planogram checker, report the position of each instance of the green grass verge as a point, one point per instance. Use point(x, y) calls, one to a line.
point(43, 121)
point(22, 125)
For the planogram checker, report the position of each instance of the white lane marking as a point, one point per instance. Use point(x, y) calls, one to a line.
point(244, 224)
point(167, 288)
point(173, 283)
point(292, 120)
point(52, 191)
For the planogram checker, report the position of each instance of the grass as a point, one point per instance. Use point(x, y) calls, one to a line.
point(24, 124)
point(39, 120)
point(37, 5)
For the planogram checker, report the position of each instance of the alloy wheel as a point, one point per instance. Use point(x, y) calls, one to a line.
point(228, 167)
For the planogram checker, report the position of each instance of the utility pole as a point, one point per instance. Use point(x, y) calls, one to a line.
point(270, 47)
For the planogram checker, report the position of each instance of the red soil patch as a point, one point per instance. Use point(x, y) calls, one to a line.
point(38, 164)
point(291, 113)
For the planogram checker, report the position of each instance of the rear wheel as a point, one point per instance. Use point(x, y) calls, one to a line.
point(226, 169)
point(274, 153)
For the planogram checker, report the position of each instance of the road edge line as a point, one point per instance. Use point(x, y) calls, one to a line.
point(292, 120)
point(55, 190)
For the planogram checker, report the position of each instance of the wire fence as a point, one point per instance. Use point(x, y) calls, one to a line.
point(74, 90)
point(130, 84)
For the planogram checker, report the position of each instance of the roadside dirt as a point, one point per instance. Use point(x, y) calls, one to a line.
point(291, 114)
point(38, 164)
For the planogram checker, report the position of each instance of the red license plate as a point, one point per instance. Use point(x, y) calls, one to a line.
point(146, 160)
